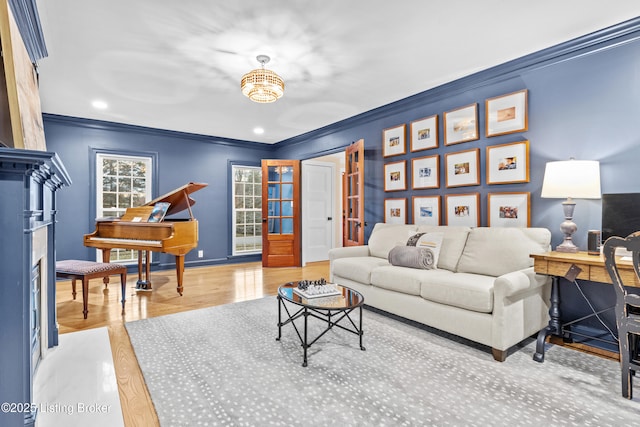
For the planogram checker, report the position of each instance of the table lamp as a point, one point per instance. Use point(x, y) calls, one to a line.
point(579, 179)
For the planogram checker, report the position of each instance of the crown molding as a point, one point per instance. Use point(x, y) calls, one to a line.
point(122, 127)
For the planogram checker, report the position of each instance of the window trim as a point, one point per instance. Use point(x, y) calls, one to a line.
point(232, 210)
point(93, 190)
point(112, 156)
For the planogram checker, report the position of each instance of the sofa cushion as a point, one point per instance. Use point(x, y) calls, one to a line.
point(495, 251)
point(432, 241)
point(412, 257)
point(357, 269)
point(468, 291)
point(402, 279)
point(453, 242)
point(386, 236)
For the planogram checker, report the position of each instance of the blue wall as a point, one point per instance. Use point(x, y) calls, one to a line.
point(584, 102)
point(181, 158)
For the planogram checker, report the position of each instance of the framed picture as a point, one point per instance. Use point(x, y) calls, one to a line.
point(461, 125)
point(507, 113)
point(425, 172)
point(393, 141)
point(508, 163)
point(463, 209)
point(395, 211)
point(424, 133)
point(395, 176)
point(426, 210)
point(509, 209)
point(463, 168)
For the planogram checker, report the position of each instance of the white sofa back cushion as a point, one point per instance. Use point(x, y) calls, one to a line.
point(495, 251)
point(386, 236)
point(453, 243)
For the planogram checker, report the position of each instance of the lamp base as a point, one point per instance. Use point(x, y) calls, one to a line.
point(567, 246)
point(568, 227)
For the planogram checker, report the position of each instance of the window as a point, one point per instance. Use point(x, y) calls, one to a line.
point(121, 182)
point(247, 209)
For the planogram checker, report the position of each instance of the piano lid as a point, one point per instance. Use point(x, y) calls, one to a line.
point(179, 198)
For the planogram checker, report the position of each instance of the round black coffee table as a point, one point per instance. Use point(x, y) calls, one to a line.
point(331, 309)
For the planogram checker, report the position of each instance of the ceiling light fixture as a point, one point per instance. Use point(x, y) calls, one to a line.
point(262, 85)
point(99, 104)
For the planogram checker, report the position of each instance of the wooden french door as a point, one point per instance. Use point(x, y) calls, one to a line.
point(281, 213)
point(353, 195)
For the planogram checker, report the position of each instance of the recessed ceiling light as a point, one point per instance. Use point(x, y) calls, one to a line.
point(258, 131)
point(99, 104)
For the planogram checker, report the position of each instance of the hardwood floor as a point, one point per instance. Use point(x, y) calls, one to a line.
point(203, 287)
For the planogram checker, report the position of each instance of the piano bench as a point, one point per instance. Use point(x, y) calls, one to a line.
point(87, 270)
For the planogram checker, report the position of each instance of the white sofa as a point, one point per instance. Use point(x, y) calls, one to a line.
point(483, 289)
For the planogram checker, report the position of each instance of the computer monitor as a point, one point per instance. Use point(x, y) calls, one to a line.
point(620, 214)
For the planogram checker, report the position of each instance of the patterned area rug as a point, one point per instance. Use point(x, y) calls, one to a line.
point(223, 366)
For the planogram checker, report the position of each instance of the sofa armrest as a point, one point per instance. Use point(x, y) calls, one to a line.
point(348, 252)
point(515, 282)
point(520, 306)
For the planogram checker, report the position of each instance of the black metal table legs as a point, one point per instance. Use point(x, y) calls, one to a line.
point(322, 314)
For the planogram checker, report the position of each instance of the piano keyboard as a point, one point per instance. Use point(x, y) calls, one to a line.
point(157, 243)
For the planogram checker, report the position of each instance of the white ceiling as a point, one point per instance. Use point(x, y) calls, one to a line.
point(177, 65)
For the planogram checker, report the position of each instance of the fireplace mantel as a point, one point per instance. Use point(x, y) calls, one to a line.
point(29, 181)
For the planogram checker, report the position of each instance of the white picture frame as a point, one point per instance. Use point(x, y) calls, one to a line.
point(463, 168)
point(508, 163)
point(393, 141)
point(425, 172)
point(462, 209)
point(507, 114)
point(395, 176)
point(424, 133)
point(426, 210)
point(395, 211)
point(461, 125)
point(509, 209)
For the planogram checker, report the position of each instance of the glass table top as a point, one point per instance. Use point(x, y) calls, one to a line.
point(347, 299)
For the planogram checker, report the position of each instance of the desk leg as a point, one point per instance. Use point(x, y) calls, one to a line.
point(554, 326)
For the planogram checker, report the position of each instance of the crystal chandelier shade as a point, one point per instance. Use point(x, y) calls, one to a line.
point(262, 85)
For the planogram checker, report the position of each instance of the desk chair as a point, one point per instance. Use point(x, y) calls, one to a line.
point(627, 308)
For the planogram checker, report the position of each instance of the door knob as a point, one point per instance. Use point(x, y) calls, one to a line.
point(329, 218)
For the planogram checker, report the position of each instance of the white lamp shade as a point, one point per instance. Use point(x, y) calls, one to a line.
point(579, 179)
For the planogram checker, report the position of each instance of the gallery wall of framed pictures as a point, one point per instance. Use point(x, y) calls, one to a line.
point(415, 164)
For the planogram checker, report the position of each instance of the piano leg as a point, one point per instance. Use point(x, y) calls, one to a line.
point(180, 271)
point(147, 269)
point(143, 285)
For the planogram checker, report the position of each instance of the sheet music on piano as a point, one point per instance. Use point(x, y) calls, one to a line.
point(158, 212)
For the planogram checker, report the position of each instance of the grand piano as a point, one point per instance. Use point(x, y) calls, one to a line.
point(131, 231)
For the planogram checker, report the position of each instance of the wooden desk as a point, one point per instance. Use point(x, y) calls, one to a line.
point(557, 264)
point(592, 266)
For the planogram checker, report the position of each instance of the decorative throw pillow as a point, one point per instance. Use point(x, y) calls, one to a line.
point(432, 241)
point(412, 257)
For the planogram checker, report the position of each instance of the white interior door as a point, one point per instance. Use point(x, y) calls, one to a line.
point(317, 210)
